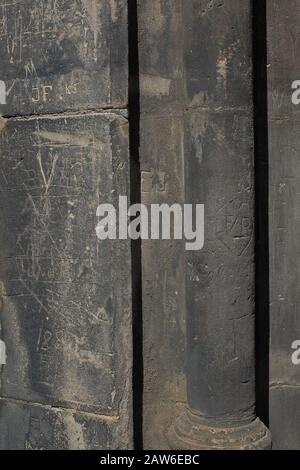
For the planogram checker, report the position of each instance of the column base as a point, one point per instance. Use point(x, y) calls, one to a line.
point(189, 432)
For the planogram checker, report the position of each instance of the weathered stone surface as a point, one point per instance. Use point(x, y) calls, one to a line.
point(161, 55)
point(285, 416)
point(65, 308)
point(220, 278)
point(162, 173)
point(197, 80)
point(191, 431)
point(217, 51)
point(284, 181)
point(25, 426)
point(163, 273)
point(63, 55)
point(283, 66)
point(219, 173)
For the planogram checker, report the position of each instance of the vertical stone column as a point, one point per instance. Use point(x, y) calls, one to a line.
point(162, 182)
point(219, 173)
point(284, 182)
point(65, 310)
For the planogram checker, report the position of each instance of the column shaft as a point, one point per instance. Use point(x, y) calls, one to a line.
point(284, 181)
point(219, 173)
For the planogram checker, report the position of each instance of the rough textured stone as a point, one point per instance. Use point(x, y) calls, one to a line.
point(65, 308)
point(63, 55)
point(217, 48)
point(198, 76)
point(284, 416)
point(162, 174)
point(220, 278)
point(163, 289)
point(25, 426)
point(284, 167)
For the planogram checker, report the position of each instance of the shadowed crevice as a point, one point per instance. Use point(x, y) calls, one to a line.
point(135, 183)
point(260, 83)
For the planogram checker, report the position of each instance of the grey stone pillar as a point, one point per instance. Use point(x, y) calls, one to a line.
point(220, 360)
point(162, 181)
point(284, 181)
